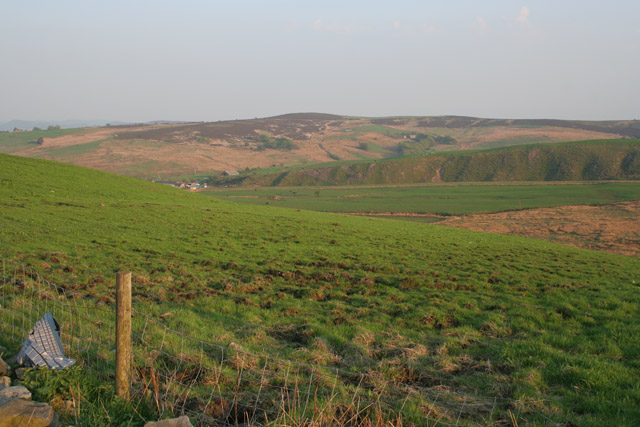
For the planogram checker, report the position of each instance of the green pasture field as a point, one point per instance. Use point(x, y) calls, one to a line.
point(448, 199)
point(354, 132)
point(11, 142)
point(70, 151)
point(550, 326)
point(373, 148)
point(502, 143)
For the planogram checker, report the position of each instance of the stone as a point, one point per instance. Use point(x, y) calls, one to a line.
point(5, 369)
point(182, 421)
point(15, 392)
point(19, 373)
point(21, 412)
point(5, 382)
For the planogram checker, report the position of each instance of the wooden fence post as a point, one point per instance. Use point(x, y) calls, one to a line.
point(123, 334)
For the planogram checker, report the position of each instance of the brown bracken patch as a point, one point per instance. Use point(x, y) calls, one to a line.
point(609, 228)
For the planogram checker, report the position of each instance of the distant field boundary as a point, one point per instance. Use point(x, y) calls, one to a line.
point(223, 385)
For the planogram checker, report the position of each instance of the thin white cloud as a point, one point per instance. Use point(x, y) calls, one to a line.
point(480, 24)
point(524, 15)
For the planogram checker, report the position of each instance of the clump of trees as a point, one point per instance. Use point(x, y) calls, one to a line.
point(443, 139)
point(281, 143)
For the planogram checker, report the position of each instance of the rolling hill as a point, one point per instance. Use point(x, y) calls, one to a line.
point(165, 150)
point(456, 312)
point(574, 161)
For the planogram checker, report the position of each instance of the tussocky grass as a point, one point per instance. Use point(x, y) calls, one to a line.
point(481, 314)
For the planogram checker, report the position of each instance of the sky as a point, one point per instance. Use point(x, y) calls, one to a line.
point(191, 60)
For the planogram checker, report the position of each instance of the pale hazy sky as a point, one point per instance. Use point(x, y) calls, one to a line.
point(214, 60)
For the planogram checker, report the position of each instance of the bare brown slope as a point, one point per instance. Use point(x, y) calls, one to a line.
point(610, 228)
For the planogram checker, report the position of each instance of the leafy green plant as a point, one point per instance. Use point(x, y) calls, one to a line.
point(80, 397)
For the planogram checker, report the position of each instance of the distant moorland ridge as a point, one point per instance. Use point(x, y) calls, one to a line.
point(172, 150)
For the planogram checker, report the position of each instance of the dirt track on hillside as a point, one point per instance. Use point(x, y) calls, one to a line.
point(610, 228)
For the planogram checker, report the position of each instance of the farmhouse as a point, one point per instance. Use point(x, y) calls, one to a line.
point(230, 173)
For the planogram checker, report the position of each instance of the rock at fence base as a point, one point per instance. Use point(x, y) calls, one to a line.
point(182, 421)
point(4, 368)
point(19, 373)
point(21, 412)
point(5, 382)
point(15, 392)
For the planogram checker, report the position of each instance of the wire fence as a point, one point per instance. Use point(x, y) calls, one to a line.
point(224, 385)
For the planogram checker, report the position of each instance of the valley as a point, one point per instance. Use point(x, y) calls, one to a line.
point(415, 269)
point(320, 214)
point(422, 308)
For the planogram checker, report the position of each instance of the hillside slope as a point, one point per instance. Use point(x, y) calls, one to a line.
point(436, 308)
point(575, 161)
point(176, 149)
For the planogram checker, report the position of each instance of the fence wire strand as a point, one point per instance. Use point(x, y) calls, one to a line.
point(222, 385)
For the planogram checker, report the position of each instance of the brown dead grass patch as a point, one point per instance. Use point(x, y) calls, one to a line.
point(611, 228)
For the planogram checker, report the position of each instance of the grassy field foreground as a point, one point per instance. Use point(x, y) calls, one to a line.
point(551, 326)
